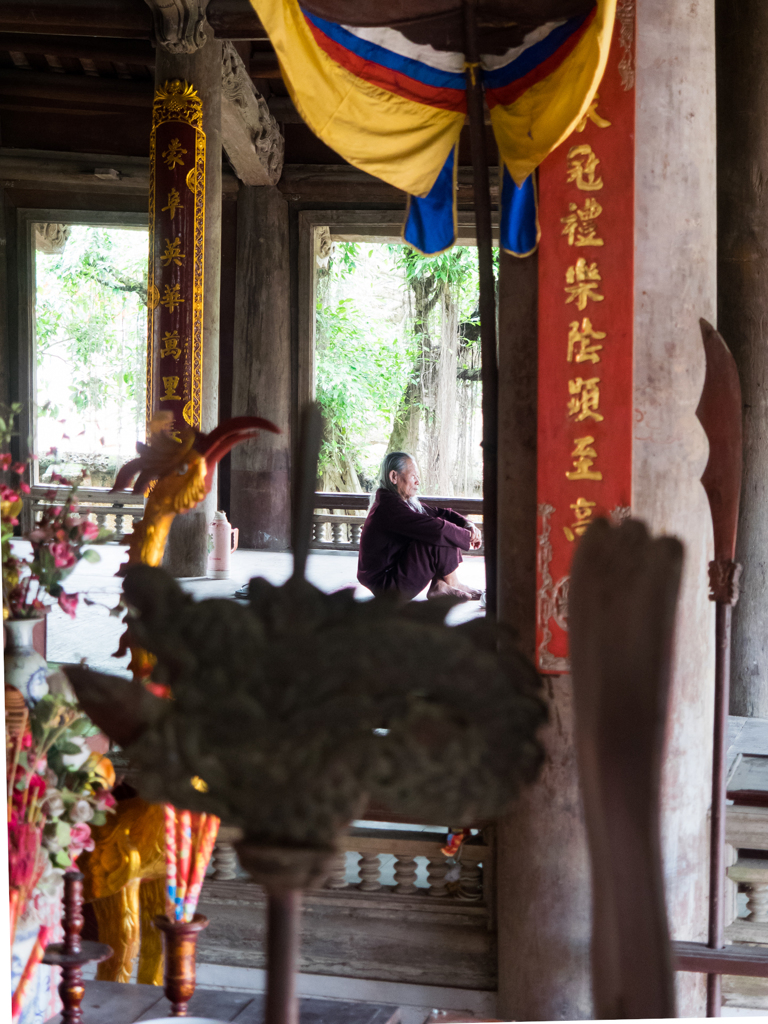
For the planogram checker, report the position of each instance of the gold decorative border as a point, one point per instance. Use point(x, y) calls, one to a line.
point(179, 101)
point(551, 597)
point(194, 415)
point(153, 294)
point(625, 15)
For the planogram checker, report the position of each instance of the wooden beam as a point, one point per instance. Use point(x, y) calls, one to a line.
point(123, 51)
point(249, 133)
point(234, 19)
point(123, 19)
point(84, 90)
point(76, 172)
point(118, 19)
point(744, 961)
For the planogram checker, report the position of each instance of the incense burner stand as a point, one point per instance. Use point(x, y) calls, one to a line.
point(180, 944)
point(73, 953)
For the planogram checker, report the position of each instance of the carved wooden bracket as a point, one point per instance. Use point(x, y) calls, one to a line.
point(249, 133)
point(179, 24)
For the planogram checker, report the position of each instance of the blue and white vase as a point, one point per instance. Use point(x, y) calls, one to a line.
point(24, 667)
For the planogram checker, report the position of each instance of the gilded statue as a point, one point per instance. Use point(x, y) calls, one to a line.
point(124, 875)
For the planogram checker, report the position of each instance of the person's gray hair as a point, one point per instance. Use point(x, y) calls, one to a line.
point(395, 461)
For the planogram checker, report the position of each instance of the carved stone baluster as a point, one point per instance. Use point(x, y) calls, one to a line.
point(356, 531)
point(757, 903)
point(436, 873)
point(405, 875)
point(470, 882)
point(337, 875)
point(101, 520)
point(224, 862)
point(730, 909)
point(339, 533)
point(119, 525)
point(369, 868)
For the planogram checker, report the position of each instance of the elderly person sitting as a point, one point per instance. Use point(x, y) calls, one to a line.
point(405, 545)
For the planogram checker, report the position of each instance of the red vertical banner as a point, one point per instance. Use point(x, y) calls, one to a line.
point(176, 242)
point(586, 284)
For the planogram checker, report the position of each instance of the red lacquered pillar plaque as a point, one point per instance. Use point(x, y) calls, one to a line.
point(176, 237)
point(586, 212)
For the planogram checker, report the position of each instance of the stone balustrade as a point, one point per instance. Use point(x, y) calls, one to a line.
point(359, 865)
point(338, 518)
point(116, 512)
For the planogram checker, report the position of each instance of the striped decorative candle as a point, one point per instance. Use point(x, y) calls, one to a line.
point(170, 860)
point(17, 1003)
point(209, 831)
point(185, 857)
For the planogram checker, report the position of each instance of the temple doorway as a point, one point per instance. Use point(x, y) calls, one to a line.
point(89, 351)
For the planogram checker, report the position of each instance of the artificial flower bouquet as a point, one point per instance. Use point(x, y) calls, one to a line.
point(59, 540)
point(57, 790)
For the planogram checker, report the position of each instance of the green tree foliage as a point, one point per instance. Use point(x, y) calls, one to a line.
point(377, 371)
point(91, 329)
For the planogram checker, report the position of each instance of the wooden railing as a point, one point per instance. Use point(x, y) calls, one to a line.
point(116, 512)
point(394, 908)
point(371, 845)
point(339, 518)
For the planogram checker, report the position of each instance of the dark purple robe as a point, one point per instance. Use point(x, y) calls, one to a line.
point(404, 550)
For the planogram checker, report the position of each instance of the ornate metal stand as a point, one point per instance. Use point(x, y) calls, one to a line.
point(179, 943)
point(73, 953)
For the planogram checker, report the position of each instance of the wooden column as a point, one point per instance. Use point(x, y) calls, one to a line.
point(675, 284)
point(186, 553)
point(260, 496)
point(543, 894)
point(742, 310)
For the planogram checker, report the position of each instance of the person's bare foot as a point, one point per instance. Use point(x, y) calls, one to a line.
point(468, 593)
point(440, 588)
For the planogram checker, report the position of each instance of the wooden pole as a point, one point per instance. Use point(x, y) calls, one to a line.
point(719, 412)
point(490, 370)
point(283, 914)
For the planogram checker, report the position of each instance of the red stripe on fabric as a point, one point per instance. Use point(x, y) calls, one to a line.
point(393, 81)
point(509, 93)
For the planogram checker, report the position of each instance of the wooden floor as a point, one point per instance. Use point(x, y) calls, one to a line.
point(108, 1002)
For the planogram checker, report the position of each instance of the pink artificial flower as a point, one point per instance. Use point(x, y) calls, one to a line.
point(56, 511)
point(80, 839)
point(24, 488)
point(89, 530)
point(7, 494)
point(104, 800)
point(18, 468)
point(26, 741)
point(5, 460)
point(36, 785)
point(68, 603)
point(63, 556)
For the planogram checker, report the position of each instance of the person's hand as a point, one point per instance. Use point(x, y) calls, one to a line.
point(476, 539)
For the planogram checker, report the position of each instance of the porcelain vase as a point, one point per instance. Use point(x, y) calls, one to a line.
point(24, 667)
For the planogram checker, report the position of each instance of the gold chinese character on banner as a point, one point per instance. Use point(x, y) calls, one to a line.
point(582, 165)
point(593, 116)
point(171, 345)
point(174, 202)
point(173, 253)
point(579, 349)
point(171, 297)
point(582, 510)
point(585, 400)
point(581, 280)
point(173, 155)
point(579, 225)
point(170, 384)
point(584, 456)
